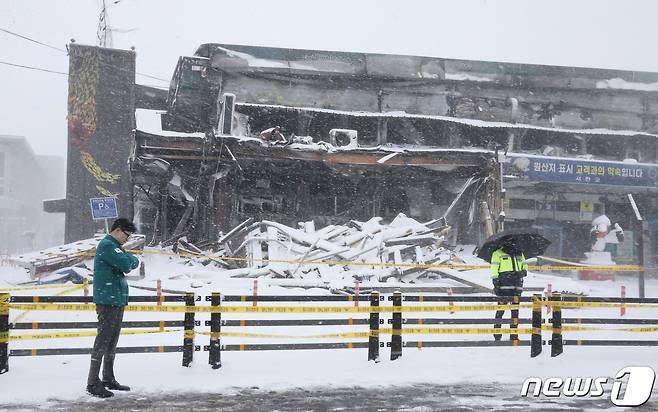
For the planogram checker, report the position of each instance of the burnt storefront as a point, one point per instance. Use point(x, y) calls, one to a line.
point(197, 186)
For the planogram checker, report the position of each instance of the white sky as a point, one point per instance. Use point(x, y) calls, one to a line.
point(590, 33)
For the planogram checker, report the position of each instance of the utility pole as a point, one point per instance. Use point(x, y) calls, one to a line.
point(104, 32)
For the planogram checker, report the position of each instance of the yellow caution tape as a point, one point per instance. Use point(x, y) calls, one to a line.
point(457, 331)
point(570, 328)
point(322, 309)
point(63, 335)
point(573, 328)
point(382, 331)
point(423, 331)
point(37, 287)
point(189, 334)
point(271, 309)
point(640, 329)
point(72, 289)
point(609, 268)
point(574, 305)
point(280, 336)
point(63, 292)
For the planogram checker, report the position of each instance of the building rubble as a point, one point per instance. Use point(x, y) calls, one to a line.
point(45, 261)
point(334, 255)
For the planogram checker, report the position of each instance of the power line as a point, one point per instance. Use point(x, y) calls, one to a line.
point(64, 51)
point(32, 40)
point(151, 77)
point(65, 74)
point(33, 68)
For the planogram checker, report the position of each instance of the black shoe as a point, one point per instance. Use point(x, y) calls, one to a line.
point(115, 386)
point(99, 391)
point(497, 337)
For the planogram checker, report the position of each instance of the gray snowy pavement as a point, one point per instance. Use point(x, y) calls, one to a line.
point(461, 397)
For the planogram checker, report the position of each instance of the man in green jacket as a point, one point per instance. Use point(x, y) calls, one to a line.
point(111, 263)
point(508, 268)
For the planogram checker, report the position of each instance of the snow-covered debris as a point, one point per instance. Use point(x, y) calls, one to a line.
point(341, 254)
point(58, 257)
point(73, 274)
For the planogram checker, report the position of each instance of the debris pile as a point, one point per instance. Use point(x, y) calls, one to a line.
point(334, 256)
point(58, 257)
point(362, 251)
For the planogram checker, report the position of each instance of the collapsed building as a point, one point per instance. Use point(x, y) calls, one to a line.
point(299, 135)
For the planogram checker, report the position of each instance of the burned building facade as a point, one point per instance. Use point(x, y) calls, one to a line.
point(294, 135)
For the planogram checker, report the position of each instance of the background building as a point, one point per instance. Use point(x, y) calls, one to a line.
point(25, 181)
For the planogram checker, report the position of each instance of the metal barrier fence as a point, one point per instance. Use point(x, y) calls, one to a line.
point(400, 324)
point(561, 303)
point(187, 348)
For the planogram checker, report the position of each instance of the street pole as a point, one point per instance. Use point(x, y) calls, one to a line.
point(501, 214)
point(641, 256)
point(639, 235)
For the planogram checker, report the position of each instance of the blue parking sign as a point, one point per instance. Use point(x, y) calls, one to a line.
point(103, 208)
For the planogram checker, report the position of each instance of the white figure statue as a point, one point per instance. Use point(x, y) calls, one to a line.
point(603, 232)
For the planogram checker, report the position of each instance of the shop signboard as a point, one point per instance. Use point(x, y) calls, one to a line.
point(580, 171)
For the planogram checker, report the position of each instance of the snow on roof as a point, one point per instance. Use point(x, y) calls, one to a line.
point(389, 148)
point(149, 121)
point(468, 122)
point(618, 83)
point(253, 61)
point(467, 77)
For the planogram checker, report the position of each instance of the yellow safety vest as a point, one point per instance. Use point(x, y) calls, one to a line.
point(503, 262)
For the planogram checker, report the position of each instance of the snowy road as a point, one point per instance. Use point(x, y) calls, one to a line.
point(405, 398)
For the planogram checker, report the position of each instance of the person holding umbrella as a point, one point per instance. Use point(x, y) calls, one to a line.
point(508, 268)
point(507, 252)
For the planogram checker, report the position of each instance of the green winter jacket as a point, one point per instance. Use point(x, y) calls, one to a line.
point(110, 265)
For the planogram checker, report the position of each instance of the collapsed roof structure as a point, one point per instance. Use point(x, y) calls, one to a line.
point(320, 156)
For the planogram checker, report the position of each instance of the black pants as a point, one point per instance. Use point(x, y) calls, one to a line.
point(499, 317)
point(105, 345)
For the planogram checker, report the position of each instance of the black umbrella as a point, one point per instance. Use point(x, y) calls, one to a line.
point(530, 243)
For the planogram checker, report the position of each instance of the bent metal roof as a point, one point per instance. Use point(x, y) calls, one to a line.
point(239, 148)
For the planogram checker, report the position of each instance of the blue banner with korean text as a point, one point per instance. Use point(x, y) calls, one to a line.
point(553, 169)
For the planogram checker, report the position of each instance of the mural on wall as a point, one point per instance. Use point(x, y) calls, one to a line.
point(101, 118)
point(85, 69)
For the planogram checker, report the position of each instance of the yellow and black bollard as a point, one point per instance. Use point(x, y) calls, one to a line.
point(373, 340)
point(4, 332)
point(214, 351)
point(535, 340)
point(514, 337)
point(396, 336)
point(188, 332)
point(556, 339)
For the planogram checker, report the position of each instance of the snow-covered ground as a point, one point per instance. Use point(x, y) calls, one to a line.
point(35, 380)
